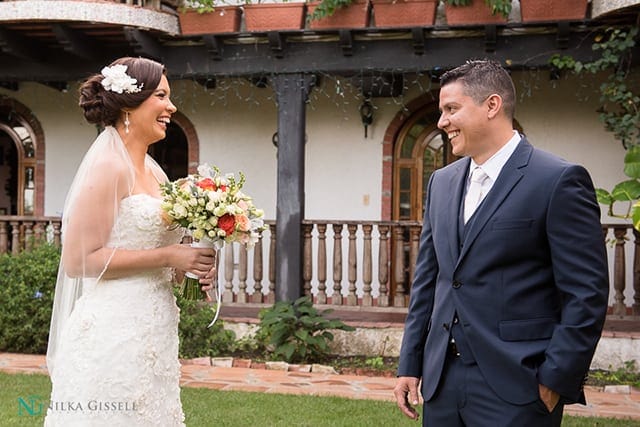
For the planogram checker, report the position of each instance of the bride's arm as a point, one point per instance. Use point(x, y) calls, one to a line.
point(90, 221)
point(183, 257)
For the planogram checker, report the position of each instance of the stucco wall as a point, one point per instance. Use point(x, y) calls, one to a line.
point(235, 123)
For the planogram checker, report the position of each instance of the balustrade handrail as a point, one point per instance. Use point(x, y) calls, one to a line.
point(349, 263)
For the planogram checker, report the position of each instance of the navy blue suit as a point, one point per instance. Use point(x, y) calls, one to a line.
point(529, 279)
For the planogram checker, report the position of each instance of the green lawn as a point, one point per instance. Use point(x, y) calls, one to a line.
point(205, 408)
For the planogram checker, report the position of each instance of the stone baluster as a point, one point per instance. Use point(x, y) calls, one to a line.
point(336, 298)
point(383, 266)
point(352, 298)
point(256, 297)
point(367, 298)
point(271, 296)
point(38, 232)
point(619, 308)
point(399, 267)
point(15, 237)
point(242, 274)
point(28, 241)
point(4, 240)
point(307, 259)
point(414, 244)
point(56, 234)
point(228, 273)
point(321, 298)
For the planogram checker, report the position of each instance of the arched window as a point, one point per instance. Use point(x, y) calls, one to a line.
point(19, 193)
point(420, 149)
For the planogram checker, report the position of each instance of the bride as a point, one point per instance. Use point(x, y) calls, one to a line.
point(113, 343)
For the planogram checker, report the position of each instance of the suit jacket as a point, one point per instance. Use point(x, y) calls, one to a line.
point(529, 282)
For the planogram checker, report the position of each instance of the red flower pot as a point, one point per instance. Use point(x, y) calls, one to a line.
point(404, 13)
point(222, 20)
point(274, 16)
point(552, 10)
point(356, 15)
point(476, 13)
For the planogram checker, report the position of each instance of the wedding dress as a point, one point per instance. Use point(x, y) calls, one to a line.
point(117, 361)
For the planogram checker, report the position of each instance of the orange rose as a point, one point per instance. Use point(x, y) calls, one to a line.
point(207, 184)
point(227, 223)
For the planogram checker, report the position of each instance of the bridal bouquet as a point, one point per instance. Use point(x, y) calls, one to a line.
point(214, 210)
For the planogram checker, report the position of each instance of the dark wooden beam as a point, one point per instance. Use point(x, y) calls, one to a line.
point(143, 44)
point(347, 56)
point(292, 92)
point(277, 43)
point(14, 44)
point(222, 56)
point(214, 47)
point(74, 42)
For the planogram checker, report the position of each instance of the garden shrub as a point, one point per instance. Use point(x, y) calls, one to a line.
point(196, 340)
point(297, 331)
point(27, 283)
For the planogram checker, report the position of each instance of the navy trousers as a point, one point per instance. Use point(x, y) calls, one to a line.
point(464, 398)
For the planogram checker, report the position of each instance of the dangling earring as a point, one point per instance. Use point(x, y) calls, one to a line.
point(126, 122)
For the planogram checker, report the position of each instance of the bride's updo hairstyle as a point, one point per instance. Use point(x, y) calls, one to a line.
point(104, 107)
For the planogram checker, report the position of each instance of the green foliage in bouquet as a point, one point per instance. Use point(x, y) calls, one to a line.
point(297, 331)
point(196, 340)
point(27, 283)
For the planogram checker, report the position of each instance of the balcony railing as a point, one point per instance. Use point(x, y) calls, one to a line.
point(358, 264)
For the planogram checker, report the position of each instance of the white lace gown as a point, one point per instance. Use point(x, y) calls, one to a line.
point(117, 363)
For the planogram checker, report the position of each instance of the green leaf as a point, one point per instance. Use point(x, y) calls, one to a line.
point(287, 351)
point(302, 334)
point(635, 215)
point(626, 191)
point(632, 162)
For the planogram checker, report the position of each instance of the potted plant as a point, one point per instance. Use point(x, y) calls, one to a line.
point(470, 12)
point(552, 10)
point(404, 13)
point(327, 14)
point(274, 16)
point(208, 17)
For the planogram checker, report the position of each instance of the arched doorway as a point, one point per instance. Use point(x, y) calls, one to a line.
point(21, 161)
point(179, 153)
point(172, 153)
point(419, 149)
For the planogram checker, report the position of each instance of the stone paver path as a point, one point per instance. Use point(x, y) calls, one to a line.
point(624, 403)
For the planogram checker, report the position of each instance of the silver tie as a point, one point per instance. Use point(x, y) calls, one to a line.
point(474, 193)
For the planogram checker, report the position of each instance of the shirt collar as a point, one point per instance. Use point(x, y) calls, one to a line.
point(494, 164)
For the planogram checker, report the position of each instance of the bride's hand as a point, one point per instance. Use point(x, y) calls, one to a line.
point(197, 261)
point(207, 282)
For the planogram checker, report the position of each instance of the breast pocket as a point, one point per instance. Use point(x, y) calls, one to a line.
point(527, 329)
point(512, 224)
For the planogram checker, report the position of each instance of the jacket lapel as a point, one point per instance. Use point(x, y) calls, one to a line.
point(511, 173)
point(457, 183)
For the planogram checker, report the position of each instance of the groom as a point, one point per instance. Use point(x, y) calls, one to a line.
point(511, 283)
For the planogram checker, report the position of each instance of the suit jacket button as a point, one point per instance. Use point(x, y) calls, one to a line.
point(456, 284)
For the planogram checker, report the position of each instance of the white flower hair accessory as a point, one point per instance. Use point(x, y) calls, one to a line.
point(117, 80)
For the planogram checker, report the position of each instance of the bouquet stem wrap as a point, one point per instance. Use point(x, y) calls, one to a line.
point(212, 208)
point(191, 287)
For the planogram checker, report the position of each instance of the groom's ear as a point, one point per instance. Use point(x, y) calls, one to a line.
point(494, 105)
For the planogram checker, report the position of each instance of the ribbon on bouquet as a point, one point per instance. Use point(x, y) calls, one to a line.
point(206, 243)
point(218, 289)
